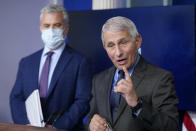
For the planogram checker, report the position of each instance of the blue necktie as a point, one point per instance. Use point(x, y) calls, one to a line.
point(43, 85)
point(116, 97)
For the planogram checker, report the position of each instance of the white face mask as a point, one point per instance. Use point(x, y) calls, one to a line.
point(52, 37)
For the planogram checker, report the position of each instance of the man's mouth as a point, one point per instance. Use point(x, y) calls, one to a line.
point(121, 61)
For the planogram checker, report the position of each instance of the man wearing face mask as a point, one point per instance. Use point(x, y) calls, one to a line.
point(62, 76)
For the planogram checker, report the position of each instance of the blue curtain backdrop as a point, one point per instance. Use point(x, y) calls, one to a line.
point(168, 41)
point(73, 5)
point(183, 2)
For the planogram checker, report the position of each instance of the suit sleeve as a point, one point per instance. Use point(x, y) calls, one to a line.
point(162, 113)
point(80, 106)
point(17, 100)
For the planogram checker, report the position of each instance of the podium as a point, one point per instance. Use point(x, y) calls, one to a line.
point(17, 127)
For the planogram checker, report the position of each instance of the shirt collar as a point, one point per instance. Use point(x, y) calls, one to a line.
point(56, 51)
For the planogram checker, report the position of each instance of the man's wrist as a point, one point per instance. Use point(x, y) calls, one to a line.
point(137, 108)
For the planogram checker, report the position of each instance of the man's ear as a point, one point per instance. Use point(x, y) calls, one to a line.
point(40, 28)
point(66, 30)
point(103, 45)
point(138, 41)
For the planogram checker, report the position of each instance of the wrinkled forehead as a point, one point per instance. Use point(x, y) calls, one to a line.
point(115, 27)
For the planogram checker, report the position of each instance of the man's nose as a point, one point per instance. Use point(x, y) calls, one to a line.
point(52, 27)
point(118, 51)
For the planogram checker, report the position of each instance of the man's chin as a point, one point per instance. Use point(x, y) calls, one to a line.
point(120, 66)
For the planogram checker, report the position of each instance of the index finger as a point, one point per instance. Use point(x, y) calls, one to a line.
point(127, 74)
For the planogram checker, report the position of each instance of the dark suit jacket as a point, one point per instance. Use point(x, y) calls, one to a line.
point(70, 89)
point(154, 85)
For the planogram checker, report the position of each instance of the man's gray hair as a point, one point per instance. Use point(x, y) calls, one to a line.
point(52, 8)
point(119, 23)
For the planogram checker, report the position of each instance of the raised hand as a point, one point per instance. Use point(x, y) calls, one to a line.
point(126, 88)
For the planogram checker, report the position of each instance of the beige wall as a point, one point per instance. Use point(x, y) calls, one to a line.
point(19, 37)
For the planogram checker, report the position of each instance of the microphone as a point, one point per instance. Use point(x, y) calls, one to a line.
point(50, 117)
point(58, 116)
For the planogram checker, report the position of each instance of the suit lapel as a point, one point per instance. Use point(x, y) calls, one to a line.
point(35, 70)
point(62, 62)
point(138, 73)
point(108, 88)
point(136, 77)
